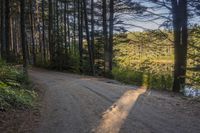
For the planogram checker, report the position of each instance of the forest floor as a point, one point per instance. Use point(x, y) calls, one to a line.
point(83, 104)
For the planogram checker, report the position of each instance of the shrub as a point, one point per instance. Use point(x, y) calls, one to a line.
point(13, 88)
point(153, 81)
point(128, 76)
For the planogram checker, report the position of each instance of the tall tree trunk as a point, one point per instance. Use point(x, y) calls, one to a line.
point(23, 35)
point(80, 29)
point(111, 34)
point(11, 36)
point(14, 37)
point(43, 31)
point(105, 37)
point(0, 30)
point(3, 43)
point(39, 31)
point(50, 30)
point(184, 42)
point(68, 28)
point(32, 34)
point(88, 38)
point(7, 29)
point(65, 27)
point(74, 28)
point(179, 11)
point(58, 36)
point(92, 29)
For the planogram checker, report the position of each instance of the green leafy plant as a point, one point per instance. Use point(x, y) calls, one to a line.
point(14, 90)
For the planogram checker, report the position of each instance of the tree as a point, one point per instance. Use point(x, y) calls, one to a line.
point(179, 21)
point(79, 36)
point(3, 29)
point(23, 36)
point(179, 12)
point(105, 36)
point(111, 28)
point(50, 32)
point(7, 29)
point(92, 29)
point(43, 31)
point(32, 33)
point(88, 39)
point(80, 33)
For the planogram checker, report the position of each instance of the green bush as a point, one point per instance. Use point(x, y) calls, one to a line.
point(13, 88)
point(127, 76)
point(153, 81)
point(9, 73)
point(17, 98)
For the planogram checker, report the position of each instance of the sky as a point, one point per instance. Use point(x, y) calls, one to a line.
point(139, 22)
point(152, 24)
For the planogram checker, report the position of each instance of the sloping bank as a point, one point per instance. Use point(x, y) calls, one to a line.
point(17, 100)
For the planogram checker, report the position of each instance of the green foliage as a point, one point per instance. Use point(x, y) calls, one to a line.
point(13, 92)
point(69, 62)
point(72, 63)
point(144, 58)
point(141, 48)
point(10, 74)
point(151, 54)
point(193, 72)
point(154, 81)
point(17, 98)
point(157, 81)
point(128, 76)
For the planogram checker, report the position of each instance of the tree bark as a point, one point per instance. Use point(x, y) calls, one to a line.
point(80, 29)
point(32, 34)
point(74, 28)
point(68, 28)
point(23, 36)
point(65, 27)
point(111, 28)
point(105, 37)
point(92, 29)
point(43, 32)
point(50, 30)
point(88, 38)
point(179, 12)
point(3, 43)
point(7, 29)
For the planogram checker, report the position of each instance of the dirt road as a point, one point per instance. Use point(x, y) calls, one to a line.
point(80, 104)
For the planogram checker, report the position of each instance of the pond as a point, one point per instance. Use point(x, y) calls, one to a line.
point(189, 91)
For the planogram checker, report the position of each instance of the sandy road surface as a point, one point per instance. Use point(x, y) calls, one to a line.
point(80, 104)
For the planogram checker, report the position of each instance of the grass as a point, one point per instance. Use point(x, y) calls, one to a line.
point(150, 80)
point(15, 91)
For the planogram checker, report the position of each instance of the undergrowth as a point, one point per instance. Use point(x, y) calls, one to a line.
point(141, 78)
point(15, 91)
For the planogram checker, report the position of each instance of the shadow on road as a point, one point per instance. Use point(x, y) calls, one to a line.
point(115, 116)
